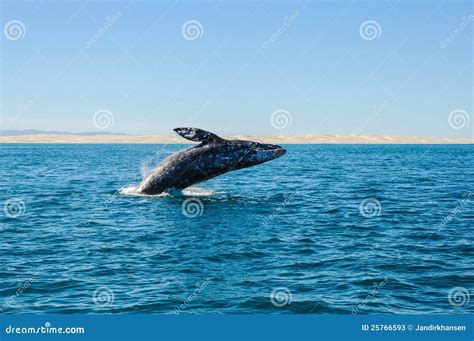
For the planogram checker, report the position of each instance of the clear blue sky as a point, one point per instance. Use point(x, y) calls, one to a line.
point(319, 67)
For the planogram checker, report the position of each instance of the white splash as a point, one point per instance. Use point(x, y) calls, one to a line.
point(132, 191)
point(146, 167)
point(198, 192)
point(188, 192)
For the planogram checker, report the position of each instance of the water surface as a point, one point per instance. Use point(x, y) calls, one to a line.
point(326, 228)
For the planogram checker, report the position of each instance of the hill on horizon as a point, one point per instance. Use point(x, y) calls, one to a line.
point(54, 132)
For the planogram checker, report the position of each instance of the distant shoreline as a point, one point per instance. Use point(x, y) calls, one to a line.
point(275, 139)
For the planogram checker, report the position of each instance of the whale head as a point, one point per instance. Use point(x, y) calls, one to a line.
point(250, 153)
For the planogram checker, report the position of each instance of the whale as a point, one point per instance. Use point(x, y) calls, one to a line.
point(213, 156)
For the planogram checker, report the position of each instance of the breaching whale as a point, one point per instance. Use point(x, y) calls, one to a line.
point(212, 157)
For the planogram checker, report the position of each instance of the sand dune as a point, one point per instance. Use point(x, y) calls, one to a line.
point(276, 139)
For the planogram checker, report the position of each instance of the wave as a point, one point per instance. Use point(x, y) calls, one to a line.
point(199, 192)
point(187, 192)
point(132, 191)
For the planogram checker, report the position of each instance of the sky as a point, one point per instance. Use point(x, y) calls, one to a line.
point(238, 67)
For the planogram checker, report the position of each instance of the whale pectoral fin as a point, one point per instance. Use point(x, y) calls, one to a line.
point(197, 135)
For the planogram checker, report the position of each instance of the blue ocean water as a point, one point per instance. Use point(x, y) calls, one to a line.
point(324, 229)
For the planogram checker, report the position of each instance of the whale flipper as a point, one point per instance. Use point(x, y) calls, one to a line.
point(198, 135)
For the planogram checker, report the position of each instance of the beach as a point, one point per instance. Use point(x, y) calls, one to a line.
point(275, 139)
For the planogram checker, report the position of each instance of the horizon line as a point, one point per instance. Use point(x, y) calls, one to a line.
point(40, 132)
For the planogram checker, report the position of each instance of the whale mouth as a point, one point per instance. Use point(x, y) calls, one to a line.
point(276, 150)
point(279, 151)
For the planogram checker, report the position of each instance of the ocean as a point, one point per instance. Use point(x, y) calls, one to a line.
point(347, 229)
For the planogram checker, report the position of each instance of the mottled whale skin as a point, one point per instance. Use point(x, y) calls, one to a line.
point(212, 157)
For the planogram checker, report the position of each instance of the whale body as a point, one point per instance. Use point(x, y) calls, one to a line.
point(212, 157)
